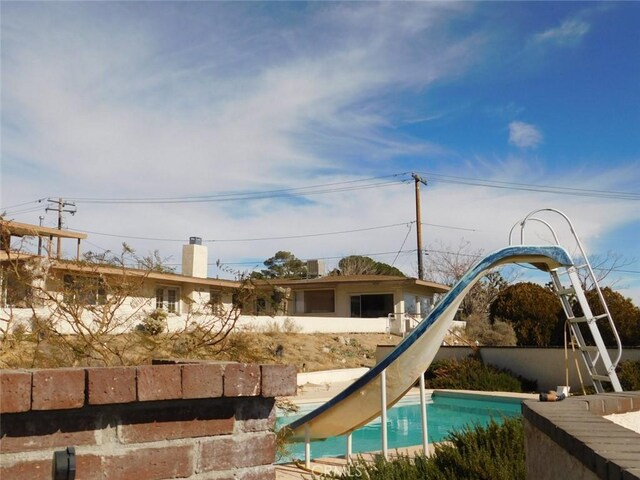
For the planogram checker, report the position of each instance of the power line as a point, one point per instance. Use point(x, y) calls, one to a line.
point(38, 200)
point(259, 262)
point(258, 239)
point(348, 185)
point(534, 187)
point(221, 240)
point(449, 226)
point(343, 186)
point(13, 213)
point(403, 242)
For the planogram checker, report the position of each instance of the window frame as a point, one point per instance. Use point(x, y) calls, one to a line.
point(301, 299)
point(163, 302)
point(85, 290)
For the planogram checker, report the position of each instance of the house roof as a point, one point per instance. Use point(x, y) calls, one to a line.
point(154, 275)
point(335, 280)
point(18, 229)
point(322, 282)
point(330, 281)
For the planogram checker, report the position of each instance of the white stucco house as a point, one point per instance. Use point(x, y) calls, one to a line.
point(360, 303)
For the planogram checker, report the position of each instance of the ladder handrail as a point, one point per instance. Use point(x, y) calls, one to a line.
point(553, 232)
point(530, 217)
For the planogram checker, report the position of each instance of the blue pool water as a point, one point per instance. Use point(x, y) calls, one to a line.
point(446, 412)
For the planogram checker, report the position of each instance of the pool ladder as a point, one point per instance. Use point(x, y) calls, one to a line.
point(592, 348)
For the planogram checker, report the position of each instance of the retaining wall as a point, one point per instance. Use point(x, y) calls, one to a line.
point(173, 420)
point(571, 439)
point(546, 365)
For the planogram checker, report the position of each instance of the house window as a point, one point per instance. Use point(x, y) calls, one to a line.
point(215, 302)
point(315, 301)
point(83, 290)
point(168, 298)
point(15, 291)
point(371, 306)
point(261, 306)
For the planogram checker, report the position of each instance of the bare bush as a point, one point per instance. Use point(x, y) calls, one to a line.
point(85, 312)
point(498, 333)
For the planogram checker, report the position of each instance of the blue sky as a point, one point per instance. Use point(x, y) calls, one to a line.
point(162, 99)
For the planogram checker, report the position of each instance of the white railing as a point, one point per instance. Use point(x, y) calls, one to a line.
point(402, 323)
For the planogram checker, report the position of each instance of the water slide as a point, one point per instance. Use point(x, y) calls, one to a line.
point(360, 402)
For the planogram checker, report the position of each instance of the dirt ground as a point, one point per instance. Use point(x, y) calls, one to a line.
point(308, 352)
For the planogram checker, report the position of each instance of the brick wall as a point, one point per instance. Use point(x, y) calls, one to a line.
point(151, 422)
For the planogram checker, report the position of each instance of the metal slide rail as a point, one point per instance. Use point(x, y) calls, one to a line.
point(596, 357)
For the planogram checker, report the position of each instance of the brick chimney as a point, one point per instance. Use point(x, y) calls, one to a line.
point(195, 257)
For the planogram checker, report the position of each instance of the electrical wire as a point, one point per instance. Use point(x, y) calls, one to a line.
point(448, 226)
point(343, 186)
point(403, 242)
point(247, 239)
point(13, 213)
point(258, 239)
point(259, 262)
point(533, 187)
point(38, 200)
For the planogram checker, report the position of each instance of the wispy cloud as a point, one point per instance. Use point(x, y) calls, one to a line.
point(568, 32)
point(130, 100)
point(524, 135)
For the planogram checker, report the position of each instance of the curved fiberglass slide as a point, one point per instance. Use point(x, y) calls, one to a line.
point(359, 403)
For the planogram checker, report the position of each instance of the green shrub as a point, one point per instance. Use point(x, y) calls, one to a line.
point(154, 323)
point(494, 452)
point(472, 374)
point(629, 374)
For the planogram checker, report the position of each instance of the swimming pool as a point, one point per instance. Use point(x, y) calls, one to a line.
point(445, 412)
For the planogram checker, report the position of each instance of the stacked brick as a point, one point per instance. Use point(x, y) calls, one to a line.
point(151, 422)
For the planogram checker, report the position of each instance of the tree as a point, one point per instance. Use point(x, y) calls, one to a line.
point(534, 312)
point(604, 267)
point(447, 264)
point(362, 265)
point(282, 265)
point(625, 315)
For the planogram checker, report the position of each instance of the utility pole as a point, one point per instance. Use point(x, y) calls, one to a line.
point(417, 181)
point(61, 204)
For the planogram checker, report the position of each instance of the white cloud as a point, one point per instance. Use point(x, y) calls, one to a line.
point(524, 135)
point(114, 106)
point(569, 32)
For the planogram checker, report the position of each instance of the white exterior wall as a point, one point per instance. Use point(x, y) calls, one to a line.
point(134, 309)
point(331, 376)
point(308, 324)
point(248, 322)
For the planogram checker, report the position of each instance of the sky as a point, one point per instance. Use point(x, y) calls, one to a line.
point(266, 126)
